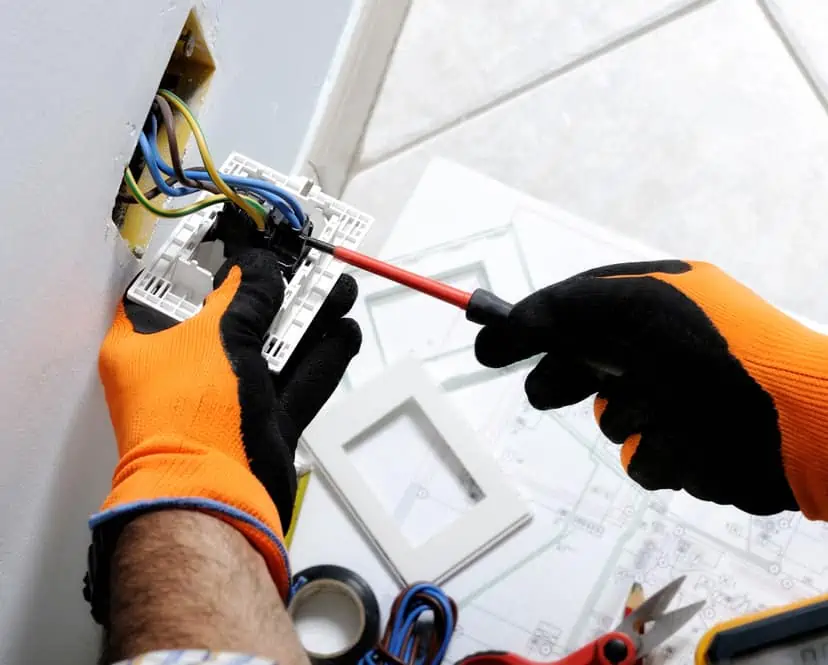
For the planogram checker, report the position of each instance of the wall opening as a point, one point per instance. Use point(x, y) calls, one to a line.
point(188, 74)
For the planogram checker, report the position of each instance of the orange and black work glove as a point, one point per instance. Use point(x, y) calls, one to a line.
point(719, 393)
point(200, 421)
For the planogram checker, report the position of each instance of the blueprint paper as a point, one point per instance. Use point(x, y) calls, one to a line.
point(562, 579)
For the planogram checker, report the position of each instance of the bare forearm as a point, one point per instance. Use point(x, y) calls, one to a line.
point(186, 580)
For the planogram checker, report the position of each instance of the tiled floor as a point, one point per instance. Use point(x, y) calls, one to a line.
point(698, 127)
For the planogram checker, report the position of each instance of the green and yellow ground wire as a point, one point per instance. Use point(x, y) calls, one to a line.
point(257, 213)
point(179, 212)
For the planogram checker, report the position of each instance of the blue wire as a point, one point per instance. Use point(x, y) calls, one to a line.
point(150, 144)
point(152, 165)
point(282, 200)
point(241, 183)
point(266, 186)
point(277, 197)
point(411, 608)
point(437, 594)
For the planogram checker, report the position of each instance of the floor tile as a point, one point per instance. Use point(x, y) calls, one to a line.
point(453, 57)
point(805, 22)
point(701, 138)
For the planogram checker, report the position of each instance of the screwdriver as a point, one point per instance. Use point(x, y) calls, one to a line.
point(481, 306)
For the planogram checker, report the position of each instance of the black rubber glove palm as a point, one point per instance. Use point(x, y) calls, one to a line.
point(276, 409)
point(719, 393)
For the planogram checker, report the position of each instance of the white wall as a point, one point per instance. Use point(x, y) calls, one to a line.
point(76, 78)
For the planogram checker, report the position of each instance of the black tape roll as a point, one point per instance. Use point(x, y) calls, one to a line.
point(339, 580)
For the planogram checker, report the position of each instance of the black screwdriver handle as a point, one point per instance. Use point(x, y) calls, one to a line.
point(487, 309)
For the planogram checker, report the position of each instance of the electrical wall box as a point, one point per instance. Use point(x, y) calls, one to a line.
point(188, 74)
point(180, 276)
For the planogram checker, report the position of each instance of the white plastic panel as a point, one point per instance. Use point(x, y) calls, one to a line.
point(493, 509)
point(176, 283)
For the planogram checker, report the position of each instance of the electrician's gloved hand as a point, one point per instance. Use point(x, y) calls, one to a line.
point(200, 421)
point(721, 394)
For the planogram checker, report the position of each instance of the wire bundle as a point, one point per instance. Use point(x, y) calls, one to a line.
point(225, 187)
point(419, 629)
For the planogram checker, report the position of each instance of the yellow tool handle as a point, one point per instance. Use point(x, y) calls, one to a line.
point(751, 632)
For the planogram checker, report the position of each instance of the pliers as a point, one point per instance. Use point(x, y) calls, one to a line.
point(621, 646)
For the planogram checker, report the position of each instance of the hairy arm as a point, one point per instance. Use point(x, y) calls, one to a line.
point(186, 580)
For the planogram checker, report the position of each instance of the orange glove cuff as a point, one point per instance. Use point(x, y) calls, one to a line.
point(165, 472)
point(789, 361)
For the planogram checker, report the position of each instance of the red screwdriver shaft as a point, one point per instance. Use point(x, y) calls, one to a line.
point(420, 283)
point(481, 306)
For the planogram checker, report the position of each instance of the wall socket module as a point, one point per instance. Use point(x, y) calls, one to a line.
point(180, 276)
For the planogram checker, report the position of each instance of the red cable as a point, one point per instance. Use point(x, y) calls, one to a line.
point(430, 287)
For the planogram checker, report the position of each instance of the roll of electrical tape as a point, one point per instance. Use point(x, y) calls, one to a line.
point(336, 614)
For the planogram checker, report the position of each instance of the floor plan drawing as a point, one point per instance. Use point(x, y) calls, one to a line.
point(562, 579)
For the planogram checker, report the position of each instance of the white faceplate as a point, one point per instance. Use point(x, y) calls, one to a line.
point(178, 279)
point(497, 509)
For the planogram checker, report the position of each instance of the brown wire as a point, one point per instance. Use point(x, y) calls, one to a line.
point(168, 121)
point(386, 657)
point(420, 651)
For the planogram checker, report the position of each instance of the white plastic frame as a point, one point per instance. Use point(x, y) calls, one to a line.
point(178, 278)
point(498, 514)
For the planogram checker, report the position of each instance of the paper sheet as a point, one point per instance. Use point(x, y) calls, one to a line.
point(562, 579)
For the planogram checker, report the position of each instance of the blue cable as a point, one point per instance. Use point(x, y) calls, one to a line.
point(283, 201)
point(399, 640)
point(266, 186)
point(152, 165)
point(277, 197)
point(149, 146)
point(273, 194)
point(241, 183)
